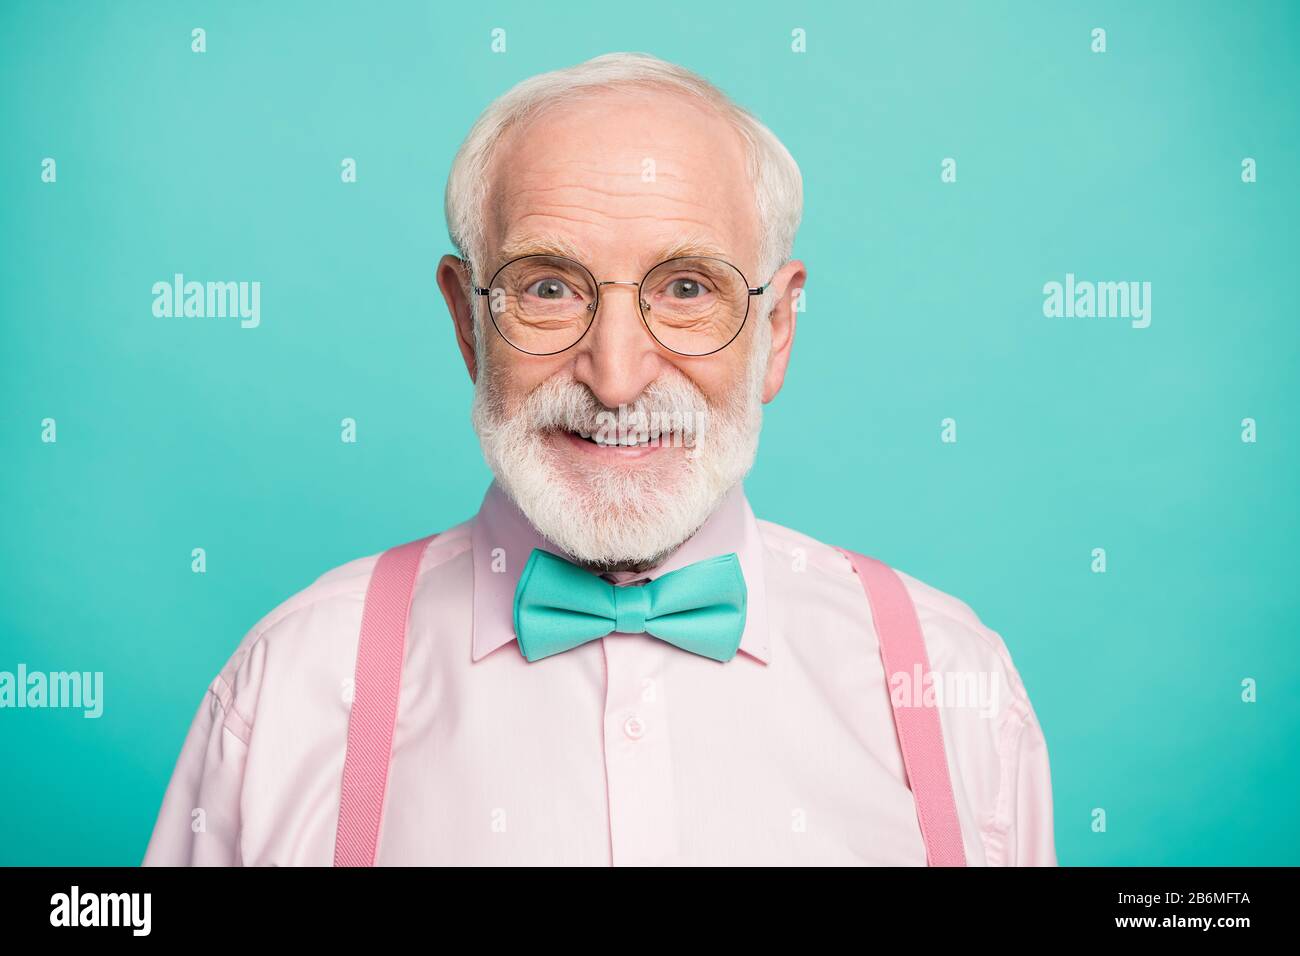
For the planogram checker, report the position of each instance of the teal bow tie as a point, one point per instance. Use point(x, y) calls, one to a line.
point(699, 608)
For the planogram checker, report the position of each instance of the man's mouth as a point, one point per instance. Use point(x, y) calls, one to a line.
point(631, 444)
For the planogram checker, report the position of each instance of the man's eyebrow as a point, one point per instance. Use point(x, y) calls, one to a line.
point(543, 244)
point(550, 244)
point(691, 246)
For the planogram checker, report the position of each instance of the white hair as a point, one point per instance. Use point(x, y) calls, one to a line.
point(778, 185)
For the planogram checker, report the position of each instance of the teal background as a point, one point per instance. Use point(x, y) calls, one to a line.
point(924, 301)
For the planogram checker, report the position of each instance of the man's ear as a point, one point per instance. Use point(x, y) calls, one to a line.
point(788, 285)
point(455, 282)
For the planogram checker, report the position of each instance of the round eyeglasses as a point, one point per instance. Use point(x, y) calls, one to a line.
point(691, 305)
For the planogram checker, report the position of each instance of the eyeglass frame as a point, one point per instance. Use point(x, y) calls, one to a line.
point(594, 307)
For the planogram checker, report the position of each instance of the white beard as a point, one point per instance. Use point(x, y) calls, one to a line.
point(624, 515)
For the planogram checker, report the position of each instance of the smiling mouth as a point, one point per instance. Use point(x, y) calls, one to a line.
point(628, 445)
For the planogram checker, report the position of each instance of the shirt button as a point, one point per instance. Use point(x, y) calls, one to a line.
point(634, 727)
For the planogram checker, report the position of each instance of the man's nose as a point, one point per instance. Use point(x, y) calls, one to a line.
point(617, 358)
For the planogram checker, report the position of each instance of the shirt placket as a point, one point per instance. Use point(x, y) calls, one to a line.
point(638, 759)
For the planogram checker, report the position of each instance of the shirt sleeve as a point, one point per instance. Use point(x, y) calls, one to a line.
point(1036, 840)
point(198, 824)
point(1022, 834)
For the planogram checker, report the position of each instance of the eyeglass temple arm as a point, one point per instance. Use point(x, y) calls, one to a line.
point(469, 272)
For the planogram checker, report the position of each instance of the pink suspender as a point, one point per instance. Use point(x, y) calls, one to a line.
point(902, 648)
point(374, 702)
point(379, 674)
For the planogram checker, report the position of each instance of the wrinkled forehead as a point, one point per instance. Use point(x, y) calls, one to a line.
point(616, 177)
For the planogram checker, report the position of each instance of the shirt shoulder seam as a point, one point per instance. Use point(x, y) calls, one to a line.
point(232, 721)
point(435, 557)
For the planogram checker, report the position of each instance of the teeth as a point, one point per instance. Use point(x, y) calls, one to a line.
point(627, 441)
point(630, 440)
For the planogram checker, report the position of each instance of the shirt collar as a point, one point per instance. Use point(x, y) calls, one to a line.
point(503, 538)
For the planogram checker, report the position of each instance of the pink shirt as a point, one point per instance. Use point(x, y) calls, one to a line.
point(624, 751)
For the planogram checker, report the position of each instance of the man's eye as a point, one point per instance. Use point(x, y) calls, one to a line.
point(548, 289)
point(686, 289)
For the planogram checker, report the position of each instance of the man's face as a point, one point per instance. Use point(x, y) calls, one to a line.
point(615, 181)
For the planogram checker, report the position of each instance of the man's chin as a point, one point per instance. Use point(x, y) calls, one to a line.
point(608, 508)
point(612, 508)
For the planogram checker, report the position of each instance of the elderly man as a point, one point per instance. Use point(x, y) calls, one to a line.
point(614, 662)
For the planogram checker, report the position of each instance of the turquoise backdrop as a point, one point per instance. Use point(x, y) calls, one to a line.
point(925, 302)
